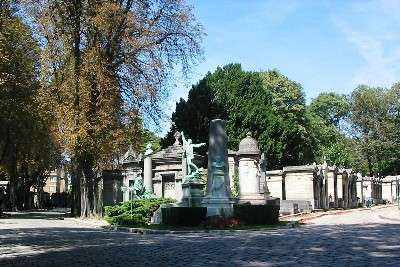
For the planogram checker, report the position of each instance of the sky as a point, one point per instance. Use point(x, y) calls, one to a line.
point(326, 46)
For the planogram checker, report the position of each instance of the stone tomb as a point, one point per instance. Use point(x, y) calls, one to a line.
point(302, 183)
point(389, 193)
point(249, 172)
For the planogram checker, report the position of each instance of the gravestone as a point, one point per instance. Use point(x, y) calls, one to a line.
point(218, 198)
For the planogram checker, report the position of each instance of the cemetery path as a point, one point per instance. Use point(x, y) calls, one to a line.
point(359, 238)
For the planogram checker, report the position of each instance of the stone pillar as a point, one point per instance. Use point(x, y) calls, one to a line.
point(148, 175)
point(218, 197)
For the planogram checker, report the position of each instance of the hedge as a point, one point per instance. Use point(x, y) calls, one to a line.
point(142, 211)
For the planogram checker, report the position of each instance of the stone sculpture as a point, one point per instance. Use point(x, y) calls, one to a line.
point(139, 190)
point(148, 151)
point(193, 172)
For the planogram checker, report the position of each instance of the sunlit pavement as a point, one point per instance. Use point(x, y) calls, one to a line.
point(358, 238)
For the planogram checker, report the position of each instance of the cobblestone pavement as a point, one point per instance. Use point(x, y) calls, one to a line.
point(358, 238)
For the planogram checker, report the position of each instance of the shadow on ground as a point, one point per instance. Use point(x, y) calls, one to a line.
point(345, 245)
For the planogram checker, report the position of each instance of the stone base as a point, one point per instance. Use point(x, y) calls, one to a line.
point(218, 206)
point(183, 216)
point(192, 194)
point(295, 206)
point(253, 199)
point(257, 214)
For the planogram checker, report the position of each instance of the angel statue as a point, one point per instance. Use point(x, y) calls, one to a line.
point(188, 147)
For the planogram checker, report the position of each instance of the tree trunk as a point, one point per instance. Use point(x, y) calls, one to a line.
point(13, 179)
point(90, 193)
point(75, 200)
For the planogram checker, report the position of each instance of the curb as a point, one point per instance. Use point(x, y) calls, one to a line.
point(345, 211)
point(77, 220)
point(145, 231)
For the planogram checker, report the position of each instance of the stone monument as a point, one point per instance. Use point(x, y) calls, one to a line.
point(249, 172)
point(218, 199)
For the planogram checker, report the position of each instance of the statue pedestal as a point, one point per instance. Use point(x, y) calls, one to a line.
point(220, 206)
point(217, 199)
point(192, 194)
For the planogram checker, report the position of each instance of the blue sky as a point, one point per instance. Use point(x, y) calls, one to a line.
point(323, 45)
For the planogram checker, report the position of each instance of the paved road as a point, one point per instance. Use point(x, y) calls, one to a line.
point(359, 238)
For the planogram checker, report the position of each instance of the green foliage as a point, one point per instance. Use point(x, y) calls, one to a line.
point(194, 115)
point(371, 143)
point(330, 107)
point(142, 210)
point(375, 119)
point(150, 137)
point(236, 188)
point(267, 104)
point(327, 114)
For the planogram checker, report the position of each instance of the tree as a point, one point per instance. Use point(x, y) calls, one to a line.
point(331, 107)
point(27, 147)
point(328, 115)
point(267, 104)
point(106, 67)
point(291, 128)
point(374, 116)
point(193, 116)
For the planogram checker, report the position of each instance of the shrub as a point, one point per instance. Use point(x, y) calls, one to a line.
point(142, 210)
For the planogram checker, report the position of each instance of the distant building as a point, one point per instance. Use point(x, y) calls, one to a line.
point(58, 181)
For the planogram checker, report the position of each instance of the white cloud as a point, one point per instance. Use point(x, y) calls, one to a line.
point(270, 13)
point(373, 27)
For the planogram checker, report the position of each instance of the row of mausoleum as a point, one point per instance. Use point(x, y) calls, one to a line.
point(299, 188)
point(312, 187)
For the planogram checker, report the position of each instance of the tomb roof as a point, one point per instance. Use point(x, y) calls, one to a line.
point(248, 146)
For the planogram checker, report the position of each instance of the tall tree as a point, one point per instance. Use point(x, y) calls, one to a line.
point(27, 146)
point(194, 114)
point(328, 114)
point(267, 104)
point(374, 115)
point(106, 65)
point(331, 107)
